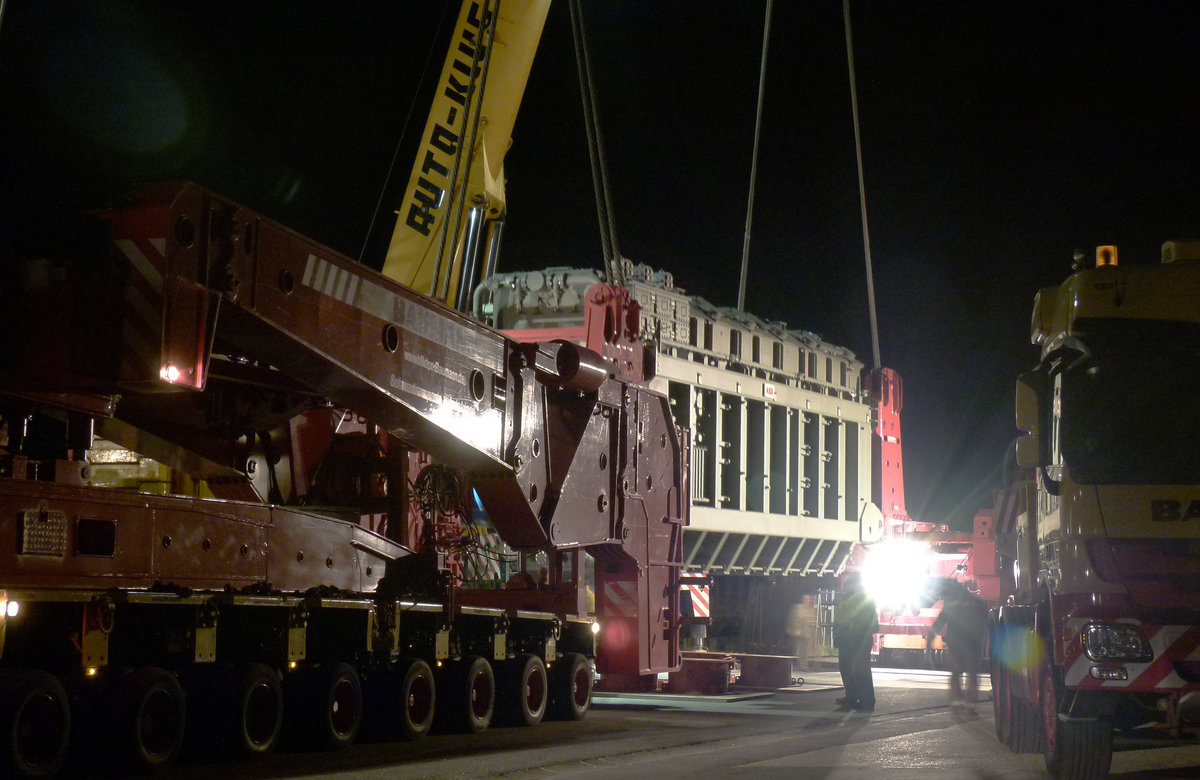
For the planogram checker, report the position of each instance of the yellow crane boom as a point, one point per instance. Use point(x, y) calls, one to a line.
point(454, 200)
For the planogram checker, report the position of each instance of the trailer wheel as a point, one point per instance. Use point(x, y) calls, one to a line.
point(150, 719)
point(1002, 704)
point(468, 699)
point(36, 720)
point(1074, 749)
point(233, 712)
point(521, 691)
point(324, 705)
point(401, 702)
point(570, 687)
point(339, 706)
point(252, 702)
point(259, 697)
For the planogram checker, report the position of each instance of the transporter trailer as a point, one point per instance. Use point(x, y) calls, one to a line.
point(241, 487)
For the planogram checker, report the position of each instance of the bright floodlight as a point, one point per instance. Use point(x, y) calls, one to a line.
point(895, 573)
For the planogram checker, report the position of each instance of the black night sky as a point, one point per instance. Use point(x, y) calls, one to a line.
point(997, 138)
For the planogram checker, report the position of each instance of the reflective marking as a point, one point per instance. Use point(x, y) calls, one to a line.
point(620, 598)
point(149, 270)
point(343, 281)
point(319, 281)
point(699, 595)
point(1169, 643)
point(426, 322)
point(309, 265)
point(331, 279)
point(144, 319)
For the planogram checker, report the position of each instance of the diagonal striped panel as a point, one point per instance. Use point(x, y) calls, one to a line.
point(618, 597)
point(142, 334)
point(699, 595)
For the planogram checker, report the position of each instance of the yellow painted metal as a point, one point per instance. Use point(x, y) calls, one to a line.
point(459, 165)
point(1151, 292)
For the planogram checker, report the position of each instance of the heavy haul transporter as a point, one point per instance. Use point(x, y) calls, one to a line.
point(279, 355)
point(237, 474)
point(1102, 628)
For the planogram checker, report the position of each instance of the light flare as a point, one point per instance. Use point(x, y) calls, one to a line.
point(896, 573)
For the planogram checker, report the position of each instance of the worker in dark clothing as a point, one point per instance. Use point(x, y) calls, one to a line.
point(962, 624)
point(855, 623)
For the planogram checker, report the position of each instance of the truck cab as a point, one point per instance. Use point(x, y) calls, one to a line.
point(1104, 616)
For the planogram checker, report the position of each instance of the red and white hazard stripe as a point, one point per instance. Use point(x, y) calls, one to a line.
point(143, 305)
point(488, 565)
point(699, 594)
point(1171, 645)
point(618, 598)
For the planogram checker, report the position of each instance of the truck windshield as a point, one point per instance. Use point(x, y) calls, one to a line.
point(1131, 403)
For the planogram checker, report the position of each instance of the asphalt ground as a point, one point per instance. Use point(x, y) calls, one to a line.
point(793, 732)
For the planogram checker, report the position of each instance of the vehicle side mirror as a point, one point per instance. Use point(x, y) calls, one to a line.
point(1030, 448)
point(1027, 405)
point(1027, 452)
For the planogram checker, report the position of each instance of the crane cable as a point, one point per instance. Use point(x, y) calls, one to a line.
point(604, 211)
point(862, 190)
point(408, 117)
point(762, 80)
point(481, 61)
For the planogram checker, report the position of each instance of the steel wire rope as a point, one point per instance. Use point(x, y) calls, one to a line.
point(591, 121)
point(412, 107)
point(476, 86)
point(762, 80)
point(862, 190)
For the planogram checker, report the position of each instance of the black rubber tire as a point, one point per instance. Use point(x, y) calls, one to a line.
point(233, 712)
point(340, 705)
point(468, 696)
point(418, 698)
point(35, 721)
point(1049, 713)
point(1025, 735)
point(522, 691)
point(400, 704)
point(254, 697)
point(1074, 749)
point(323, 706)
point(150, 719)
point(258, 699)
point(570, 687)
point(1002, 704)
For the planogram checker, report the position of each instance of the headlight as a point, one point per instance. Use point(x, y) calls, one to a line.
point(896, 573)
point(1116, 642)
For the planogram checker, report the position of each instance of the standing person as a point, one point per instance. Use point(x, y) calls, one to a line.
point(802, 628)
point(855, 624)
point(962, 623)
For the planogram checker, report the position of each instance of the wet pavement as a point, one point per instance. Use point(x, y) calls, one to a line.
point(794, 732)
